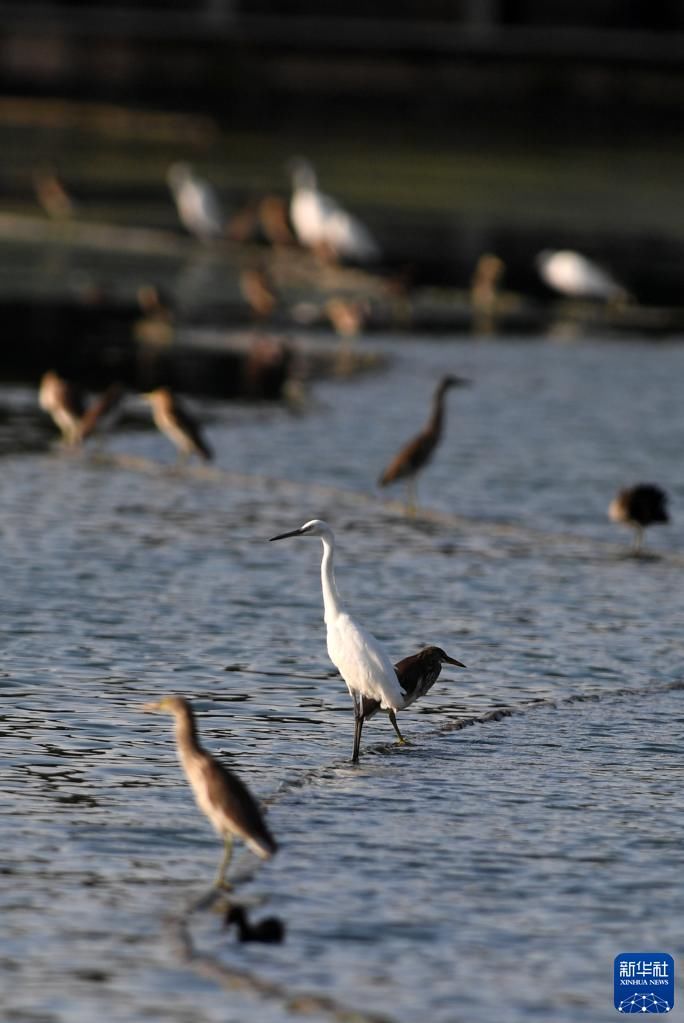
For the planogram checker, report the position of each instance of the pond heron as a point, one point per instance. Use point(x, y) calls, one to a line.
point(418, 451)
point(174, 421)
point(639, 506)
point(219, 793)
point(417, 675)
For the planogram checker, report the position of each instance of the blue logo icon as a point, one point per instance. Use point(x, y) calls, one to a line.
point(643, 982)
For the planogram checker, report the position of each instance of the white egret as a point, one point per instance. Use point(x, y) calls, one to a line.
point(639, 506)
point(174, 420)
point(197, 203)
point(323, 225)
point(360, 658)
point(574, 275)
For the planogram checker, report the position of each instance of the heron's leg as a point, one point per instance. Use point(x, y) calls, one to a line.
point(395, 726)
point(225, 862)
point(411, 496)
point(638, 537)
point(358, 725)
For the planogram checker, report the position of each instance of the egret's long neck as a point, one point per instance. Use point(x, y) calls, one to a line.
point(332, 603)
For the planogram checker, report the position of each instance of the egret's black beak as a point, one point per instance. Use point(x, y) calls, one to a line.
point(451, 660)
point(284, 536)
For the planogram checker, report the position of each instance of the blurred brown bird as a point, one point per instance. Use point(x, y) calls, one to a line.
point(417, 675)
point(258, 292)
point(171, 417)
point(65, 403)
point(639, 506)
point(417, 453)
point(219, 793)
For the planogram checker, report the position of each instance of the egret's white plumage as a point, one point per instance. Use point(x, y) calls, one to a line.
point(360, 658)
point(322, 224)
point(199, 209)
point(574, 275)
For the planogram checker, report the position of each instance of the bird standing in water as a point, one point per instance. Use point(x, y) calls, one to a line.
point(576, 276)
point(418, 451)
point(417, 675)
point(64, 402)
point(219, 793)
point(173, 419)
point(639, 506)
point(360, 658)
point(198, 206)
point(322, 224)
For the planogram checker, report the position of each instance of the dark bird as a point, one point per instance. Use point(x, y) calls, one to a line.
point(173, 419)
point(219, 793)
point(417, 675)
point(417, 453)
point(269, 931)
point(639, 506)
point(102, 410)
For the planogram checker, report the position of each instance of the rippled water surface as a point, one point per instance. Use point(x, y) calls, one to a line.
point(489, 872)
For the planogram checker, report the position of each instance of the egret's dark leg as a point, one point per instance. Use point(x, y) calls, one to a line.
point(638, 537)
point(358, 725)
point(395, 726)
point(225, 862)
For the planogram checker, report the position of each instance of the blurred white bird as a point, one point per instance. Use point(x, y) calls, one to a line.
point(574, 275)
point(321, 224)
point(199, 209)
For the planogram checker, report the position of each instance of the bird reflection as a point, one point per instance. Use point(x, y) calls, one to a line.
point(270, 930)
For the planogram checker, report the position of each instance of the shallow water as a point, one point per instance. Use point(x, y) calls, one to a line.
point(487, 872)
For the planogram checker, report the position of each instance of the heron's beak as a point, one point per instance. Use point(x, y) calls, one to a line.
point(148, 708)
point(284, 536)
point(451, 660)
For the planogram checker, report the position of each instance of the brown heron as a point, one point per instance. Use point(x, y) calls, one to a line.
point(173, 419)
point(639, 506)
point(219, 793)
point(270, 930)
point(417, 675)
point(417, 453)
point(360, 658)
